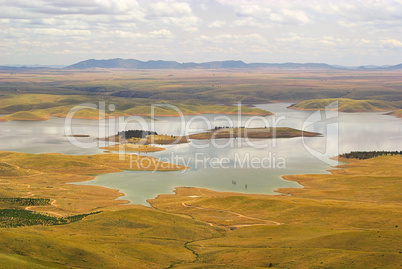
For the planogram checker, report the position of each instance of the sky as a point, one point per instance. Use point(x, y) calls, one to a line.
point(63, 32)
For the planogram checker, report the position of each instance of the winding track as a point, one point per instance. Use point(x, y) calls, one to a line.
point(266, 222)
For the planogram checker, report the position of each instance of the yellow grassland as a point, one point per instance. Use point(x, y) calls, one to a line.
point(133, 147)
point(350, 218)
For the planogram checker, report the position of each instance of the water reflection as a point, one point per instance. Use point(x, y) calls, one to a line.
point(357, 131)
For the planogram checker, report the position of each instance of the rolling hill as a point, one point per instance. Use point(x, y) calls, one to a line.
point(346, 105)
point(397, 113)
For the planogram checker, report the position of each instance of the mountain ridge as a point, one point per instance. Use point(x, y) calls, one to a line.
point(160, 64)
point(132, 64)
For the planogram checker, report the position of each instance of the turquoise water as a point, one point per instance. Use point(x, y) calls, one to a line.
point(257, 163)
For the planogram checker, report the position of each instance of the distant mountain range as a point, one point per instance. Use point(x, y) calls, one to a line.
point(19, 68)
point(136, 64)
point(119, 63)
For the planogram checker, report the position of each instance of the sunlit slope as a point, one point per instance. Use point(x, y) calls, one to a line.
point(346, 105)
point(397, 113)
point(26, 116)
point(272, 132)
point(44, 106)
point(134, 238)
point(46, 175)
point(348, 219)
point(225, 86)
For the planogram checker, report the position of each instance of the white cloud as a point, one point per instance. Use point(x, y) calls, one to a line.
point(189, 23)
point(392, 43)
point(203, 30)
point(233, 38)
point(173, 13)
point(267, 13)
point(217, 24)
point(170, 9)
point(293, 37)
point(327, 42)
point(125, 34)
point(166, 34)
point(347, 13)
point(60, 32)
point(297, 16)
point(203, 7)
point(368, 12)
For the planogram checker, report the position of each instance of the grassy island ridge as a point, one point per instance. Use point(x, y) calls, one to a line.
point(347, 105)
point(142, 142)
point(43, 106)
point(278, 132)
point(350, 218)
point(52, 93)
point(397, 113)
point(133, 147)
point(342, 220)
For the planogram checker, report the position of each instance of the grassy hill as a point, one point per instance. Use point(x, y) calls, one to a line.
point(397, 113)
point(26, 116)
point(126, 237)
point(201, 86)
point(350, 218)
point(131, 238)
point(278, 132)
point(44, 106)
point(346, 105)
point(44, 175)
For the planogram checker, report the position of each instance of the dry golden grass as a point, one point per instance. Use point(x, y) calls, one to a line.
point(193, 91)
point(165, 139)
point(346, 105)
point(348, 219)
point(133, 147)
point(43, 106)
point(46, 175)
point(279, 132)
point(123, 236)
point(397, 113)
point(149, 139)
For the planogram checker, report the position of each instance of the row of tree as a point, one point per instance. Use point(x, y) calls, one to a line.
point(26, 201)
point(226, 127)
point(361, 155)
point(136, 134)
point(10, 218)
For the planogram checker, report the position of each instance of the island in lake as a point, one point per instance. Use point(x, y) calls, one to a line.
point(145, 141)
point(242, 132)
point(51, 216)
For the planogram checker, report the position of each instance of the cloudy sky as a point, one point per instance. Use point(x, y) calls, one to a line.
point(332, 31)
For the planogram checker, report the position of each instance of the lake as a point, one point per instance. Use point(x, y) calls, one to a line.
point(255, 165)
